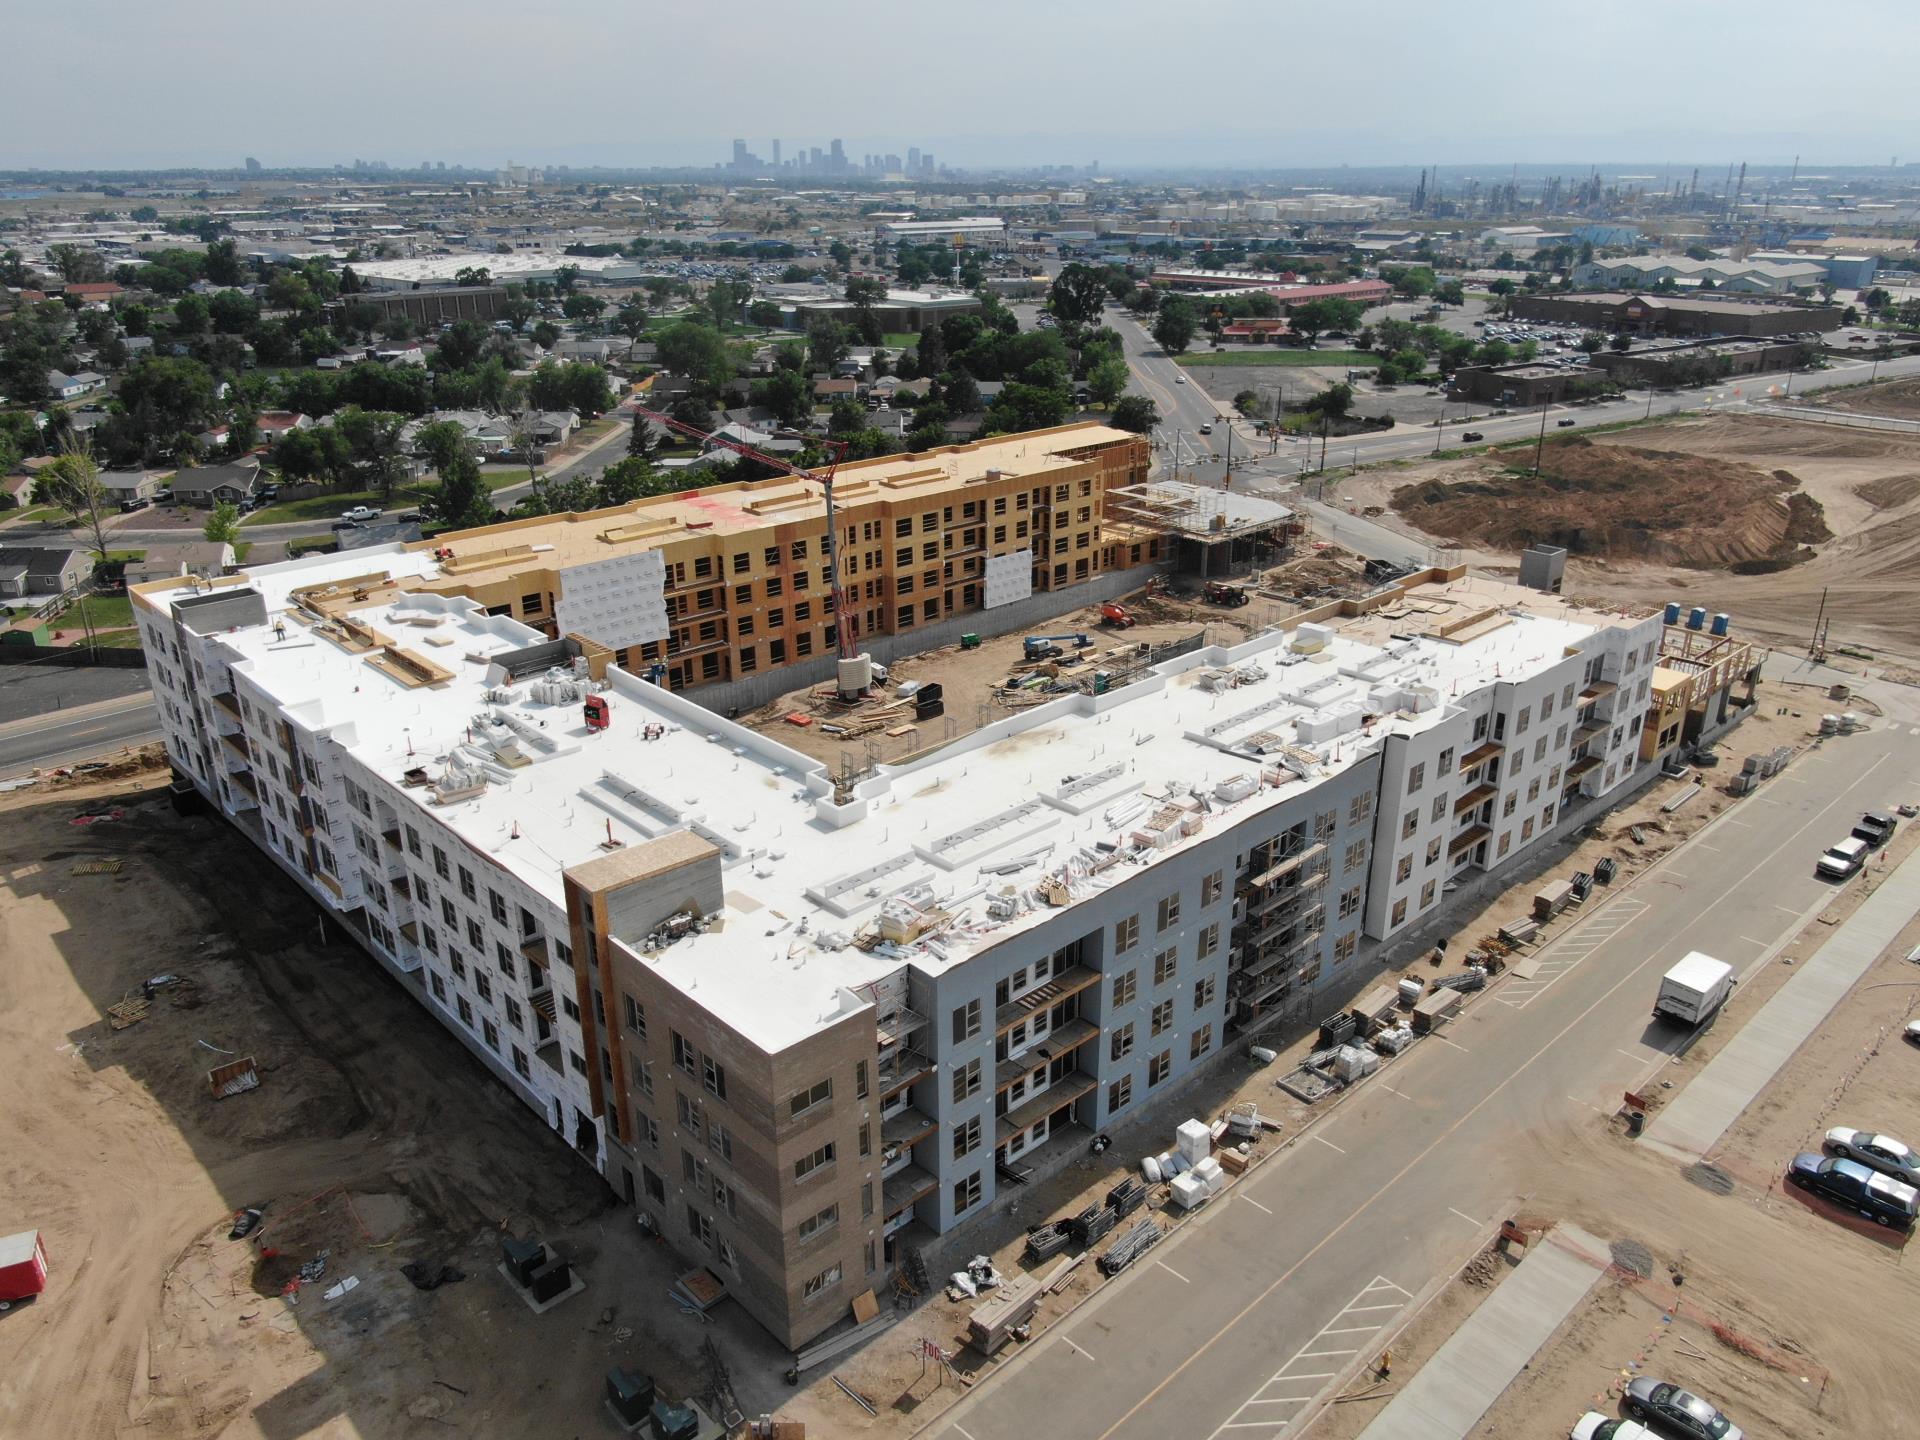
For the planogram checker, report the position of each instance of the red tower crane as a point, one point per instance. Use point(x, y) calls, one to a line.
point(836, 451)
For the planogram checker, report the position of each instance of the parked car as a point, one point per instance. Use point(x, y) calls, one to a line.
point(1471, 435)
point(1851, 1185)
point(1874, 828)
point(138, 502)
point(1912, 1032)
point(360, 512)
point(269, 492)
point(1676, 1411)
point(1843, 861)
point(1595, 1426)
point(1878, 1152)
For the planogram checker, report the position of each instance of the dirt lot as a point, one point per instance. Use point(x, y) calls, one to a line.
point(373, 1135)
point(1866, 484)
point(1725, 1280)
point(1897, 399)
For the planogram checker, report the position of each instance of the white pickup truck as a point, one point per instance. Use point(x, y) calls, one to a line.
point(359, 513)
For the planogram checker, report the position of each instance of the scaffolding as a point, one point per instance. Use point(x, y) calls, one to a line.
point(1207, 531)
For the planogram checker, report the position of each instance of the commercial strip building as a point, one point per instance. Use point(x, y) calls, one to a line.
point(903, 311)
point(733, 580)
point(1523, 384)
point(798, 1021)
point(1697, 362)
point(981, 231)
point(1675, 315)
point(1285, 288)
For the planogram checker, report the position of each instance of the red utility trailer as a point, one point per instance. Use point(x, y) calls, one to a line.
point(23, 1267)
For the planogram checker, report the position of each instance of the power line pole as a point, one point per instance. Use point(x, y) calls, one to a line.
point(1541, 443)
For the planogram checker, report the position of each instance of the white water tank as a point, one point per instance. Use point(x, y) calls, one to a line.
point(855, 676)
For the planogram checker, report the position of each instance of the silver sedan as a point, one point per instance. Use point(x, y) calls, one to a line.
point(1881, 1152)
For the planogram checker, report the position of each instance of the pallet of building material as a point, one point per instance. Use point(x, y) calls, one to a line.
point(1436, 1007)
point(98, 867)
point(130, 1011)
point(1307, 1085)
point(1130, 1246)
point(1520, 932)
point(993, 1322)
point(895, 732)
point(1126, 1197)
point(234, 1078)
point(1092, 1225)
point(701, 1289)
point(1048, 1240)
point(1374, 1006)
point(826, 1349)
point(1057, 1276)
point(1466, 982)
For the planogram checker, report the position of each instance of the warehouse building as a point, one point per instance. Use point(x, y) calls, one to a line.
point(1698, 362)
point(1523, 384)
point(800, 1022)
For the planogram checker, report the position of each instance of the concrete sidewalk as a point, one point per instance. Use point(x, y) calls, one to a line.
point(1692, 1125)
point(1446, 1399)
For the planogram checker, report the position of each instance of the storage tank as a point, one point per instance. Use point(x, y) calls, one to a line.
point(1697, 617)
point(1720, 624)
point(855, 676)
point(1673, 612)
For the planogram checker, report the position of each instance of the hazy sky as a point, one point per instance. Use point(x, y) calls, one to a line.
point(1233, 82)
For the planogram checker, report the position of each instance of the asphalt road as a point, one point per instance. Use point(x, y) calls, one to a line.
point(83, 733)
point(1242, 1323)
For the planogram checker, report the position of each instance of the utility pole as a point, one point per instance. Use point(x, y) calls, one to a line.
point(1440, 427)
point(1540, 444)
point(1323, 444)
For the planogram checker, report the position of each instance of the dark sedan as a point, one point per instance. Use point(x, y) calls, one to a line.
point(1676, 1411)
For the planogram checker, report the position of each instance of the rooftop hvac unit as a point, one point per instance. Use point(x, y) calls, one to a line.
point(630, 1395)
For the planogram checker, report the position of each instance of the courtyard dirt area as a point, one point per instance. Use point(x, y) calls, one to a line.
point(1708, 506)
point(1724, 1280)
point(373, 1139)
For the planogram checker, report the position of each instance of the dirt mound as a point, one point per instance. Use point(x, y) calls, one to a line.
point(1888, 494)
point(1613, 502)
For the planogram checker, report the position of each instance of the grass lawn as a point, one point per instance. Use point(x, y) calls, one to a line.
point(125, 557)
point(241, 551)
point(103, 612)
point(900, 340)
point(1328, 359)
point(46, 515)
point(308, 545)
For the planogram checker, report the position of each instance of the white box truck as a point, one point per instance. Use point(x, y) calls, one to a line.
point(1693, 991)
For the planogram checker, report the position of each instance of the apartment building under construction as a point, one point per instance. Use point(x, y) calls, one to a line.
point(798, 1023)
point(715, 584)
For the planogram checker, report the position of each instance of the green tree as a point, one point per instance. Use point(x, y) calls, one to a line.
point(573, 386)
point(191, 315)
point(631, 479)
point(320, 455)
point(460, 345)
point(143, 215)
point(441, 442)
point(1022, 406)
point(787, 393)
point(473, 275)
point(1334, 401)
point(1174, 325)
point(1316, 317)
point(1136, 413)
point(1593, 344)
point(698, 352)
point(231, 311)
point(1620, 344)
point(582, 307)
point(462, 498)
point(78, 264)
point(827, 344)
point(546, 334)
point(224, 265)
point(166, 397)
point(223, 525)
point(642, 443)
point(632, 319)
point(763, 313)
point(372, 438)
point(1107, 381)
point(1078, 295)
point(1450, 292)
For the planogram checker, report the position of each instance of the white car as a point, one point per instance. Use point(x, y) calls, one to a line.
point(1595, 1426)
point(1913, 1032)
point(1179, 379)
point(1878, 1152)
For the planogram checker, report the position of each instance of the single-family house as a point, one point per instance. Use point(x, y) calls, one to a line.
point(400, 352)
point(206, 558)
point(211, 485)
point(94, 292)
point(138, 347)
point(828, 390)
point(552, 427)
point(72, 387)
point(272, 424)
point(124, 485)
point(41, 570)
